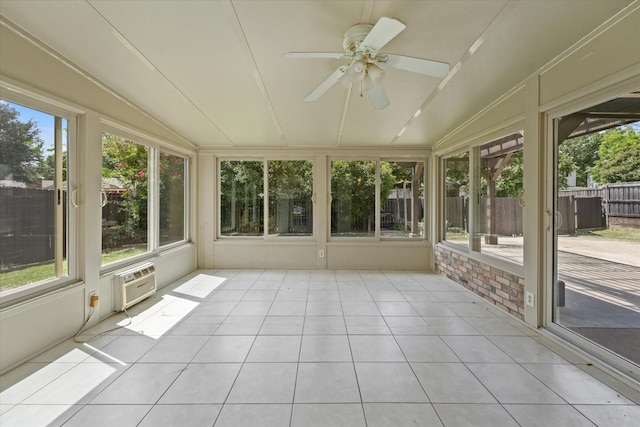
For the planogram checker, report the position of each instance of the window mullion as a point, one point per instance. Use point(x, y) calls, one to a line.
point(60, 199)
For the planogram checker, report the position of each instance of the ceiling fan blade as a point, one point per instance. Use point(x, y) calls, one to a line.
point(417, 65)
point(382, 33)
point(378, 97)
point(313, 55)
point(326, 84)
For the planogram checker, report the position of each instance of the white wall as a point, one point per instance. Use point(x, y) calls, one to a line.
point(31, 327)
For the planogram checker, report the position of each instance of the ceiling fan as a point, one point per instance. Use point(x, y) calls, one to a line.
point(362, 44)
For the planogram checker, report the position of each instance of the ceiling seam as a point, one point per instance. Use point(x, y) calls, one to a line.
point(158, 71)
point(506, 9)
point(256, 72)
point(94, 80)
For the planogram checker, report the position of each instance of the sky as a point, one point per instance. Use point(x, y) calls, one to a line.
point(45, 123)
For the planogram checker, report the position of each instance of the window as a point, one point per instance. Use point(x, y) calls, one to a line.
point(241, 198)
point(290, 197)
point(456, 199)
point(172, 198)
point(367, 192)
point(353, 198)
point(289, 200)
point(35, 217)
point(402, 206)
point(125, 193)
point(500, 227)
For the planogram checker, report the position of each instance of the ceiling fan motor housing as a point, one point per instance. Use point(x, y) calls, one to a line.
point(354, 36)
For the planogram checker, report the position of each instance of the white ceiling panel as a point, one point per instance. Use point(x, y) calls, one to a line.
point(213, 71)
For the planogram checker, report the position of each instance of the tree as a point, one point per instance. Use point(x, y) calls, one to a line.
point(583, 153)
point(510, 183)
point(127, 161)
point(353, 192)
point(20, 147)
point(618, 156)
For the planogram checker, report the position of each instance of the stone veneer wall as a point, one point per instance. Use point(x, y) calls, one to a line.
point(505, 290)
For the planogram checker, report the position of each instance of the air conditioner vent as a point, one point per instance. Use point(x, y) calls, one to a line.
point(134, 284)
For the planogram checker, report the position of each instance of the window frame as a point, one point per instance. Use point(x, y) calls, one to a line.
point(377, 237)
point(153, 203)
point(43, 104)
point(265, 236)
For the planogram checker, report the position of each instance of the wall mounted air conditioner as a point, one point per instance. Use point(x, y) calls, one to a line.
point(134, 284)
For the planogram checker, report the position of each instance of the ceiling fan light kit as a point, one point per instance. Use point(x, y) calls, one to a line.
point(362, 44)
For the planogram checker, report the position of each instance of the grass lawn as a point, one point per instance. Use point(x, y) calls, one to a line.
point(614, 234)
point(10, 279)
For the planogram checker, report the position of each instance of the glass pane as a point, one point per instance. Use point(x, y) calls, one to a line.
point(402, 199)
point(125, 184)
point(172, 198)
point(456, 206)
point(290, 192)
point(353, 198)
point(500, 212)
point(33, 210)
point(241, 198)
point(596, 286)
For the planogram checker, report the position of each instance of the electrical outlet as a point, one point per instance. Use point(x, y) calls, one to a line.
point(321, 253)
point(93, 299)
point(530, 299)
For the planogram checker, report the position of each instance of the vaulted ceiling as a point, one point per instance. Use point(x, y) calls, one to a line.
point(213, 71)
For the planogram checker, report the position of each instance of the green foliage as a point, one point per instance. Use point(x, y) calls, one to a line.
point(20, 147)
point(618, 157)
point(127, 162)
point(510, 183)
point(353, 192)
point(579, 154)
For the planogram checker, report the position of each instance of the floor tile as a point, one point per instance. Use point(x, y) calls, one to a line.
point(175, 349)
point(334, 415)
point(420, 295)
point(355, 295)
point(240, 325)
point(324, 308)
point(38, 415)
point(432, 309)
point(375, 348)
point(489, 326)
point(396, 308)
point(425, 349)
point(264, 383)
point(227, 295)
point(611, 415)
point(181, 415)
point(142, 383)
point(465, 415)
point(324, 325)
point(388, 382)
point(450, 326)
point(288, 308)
point(526, 350)
point(366, 325)
point(282, 325)
point(360, 308)
point(224, 348)
point(574, 385)
point(198, 325)
point(548, 415)
point(451, 383)
point(476, 349)
point(77, 385)
point(470, 309)
point(108, 416)
point(251, 308)
point(275, 348)
point(326, 383)
point(510, 383)
point(401, 415)
point(215, 308)
point(408, 325)
point(385, 295)
point(266, 295)
point(202, 383)
point(239, 415)
point(325, 348)
point(323, 294)
point(23, 381)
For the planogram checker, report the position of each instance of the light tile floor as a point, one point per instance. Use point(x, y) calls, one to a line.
point(313, 348)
